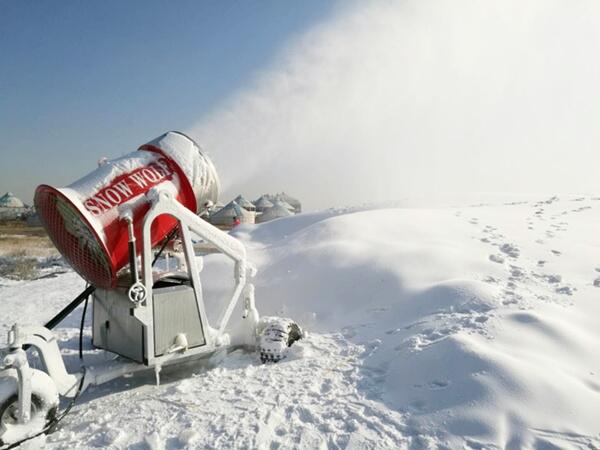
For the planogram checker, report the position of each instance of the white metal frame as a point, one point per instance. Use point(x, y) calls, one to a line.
point(164, 203)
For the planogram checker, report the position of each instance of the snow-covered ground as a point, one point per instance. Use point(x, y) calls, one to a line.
point(451, 327)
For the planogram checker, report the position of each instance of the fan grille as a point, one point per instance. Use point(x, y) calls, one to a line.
point(74, 238)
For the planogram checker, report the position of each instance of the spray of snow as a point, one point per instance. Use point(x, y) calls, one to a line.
point(389, 99)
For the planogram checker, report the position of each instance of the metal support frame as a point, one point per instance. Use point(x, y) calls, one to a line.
point(163, 203)
point(44, 341)
point(18, 361)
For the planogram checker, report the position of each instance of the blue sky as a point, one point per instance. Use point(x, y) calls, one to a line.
point(80, 80)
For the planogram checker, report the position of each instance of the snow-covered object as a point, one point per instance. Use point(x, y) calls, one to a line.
point(294, 202)
point(263, 203)
point(275, 336)
point(229, 212)
point(84, 219)
point(9, 200)
point(198, 169)
point(43, 408)
point(285, 204)
point(244, 203)
point(274, 212)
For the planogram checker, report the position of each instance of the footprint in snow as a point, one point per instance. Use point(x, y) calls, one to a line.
point(497, 258)
point(326, 386)
point(510, 250)
point(491, 280)
point(597, 282)
point(541, 263)
point(565, 290)
point(583, 208)
point(516, 273)
point(548, 278)
point(474, 445)
point(553, 279)
point(556, 252)
point(438, 384)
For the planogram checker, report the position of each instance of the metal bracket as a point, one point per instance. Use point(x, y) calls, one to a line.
point(17, 359)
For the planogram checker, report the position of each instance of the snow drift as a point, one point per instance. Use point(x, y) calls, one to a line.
point(464, 327)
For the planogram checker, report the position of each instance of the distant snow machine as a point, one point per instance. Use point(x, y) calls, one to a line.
point(108, 225)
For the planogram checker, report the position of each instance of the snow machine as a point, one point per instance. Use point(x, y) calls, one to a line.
point(113, 226)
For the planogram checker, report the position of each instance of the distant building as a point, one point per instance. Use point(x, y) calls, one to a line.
point(274, 212)
point(294, 202)
point(263, 203)
point(12, 208)
point(9, 200)
point(266, 207)
point(227, 216)
point(246, 204)
point(285, 204)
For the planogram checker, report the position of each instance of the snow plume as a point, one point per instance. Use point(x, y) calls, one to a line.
point(390, 99)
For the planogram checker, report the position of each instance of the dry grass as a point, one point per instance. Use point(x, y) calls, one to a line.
point(21, 250)
point(18, 227)
point(18, 266)
point(37, 247)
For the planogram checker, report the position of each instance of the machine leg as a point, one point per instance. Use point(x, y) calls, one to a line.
point(44, 341)
point(18, 360)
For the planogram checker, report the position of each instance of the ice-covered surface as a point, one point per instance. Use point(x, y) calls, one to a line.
point(46, 399)
point(464, 327)
point(195, 164)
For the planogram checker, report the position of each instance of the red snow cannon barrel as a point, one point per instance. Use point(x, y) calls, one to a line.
point(83, 219)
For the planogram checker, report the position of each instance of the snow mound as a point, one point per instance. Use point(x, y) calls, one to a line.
point(464, 327)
